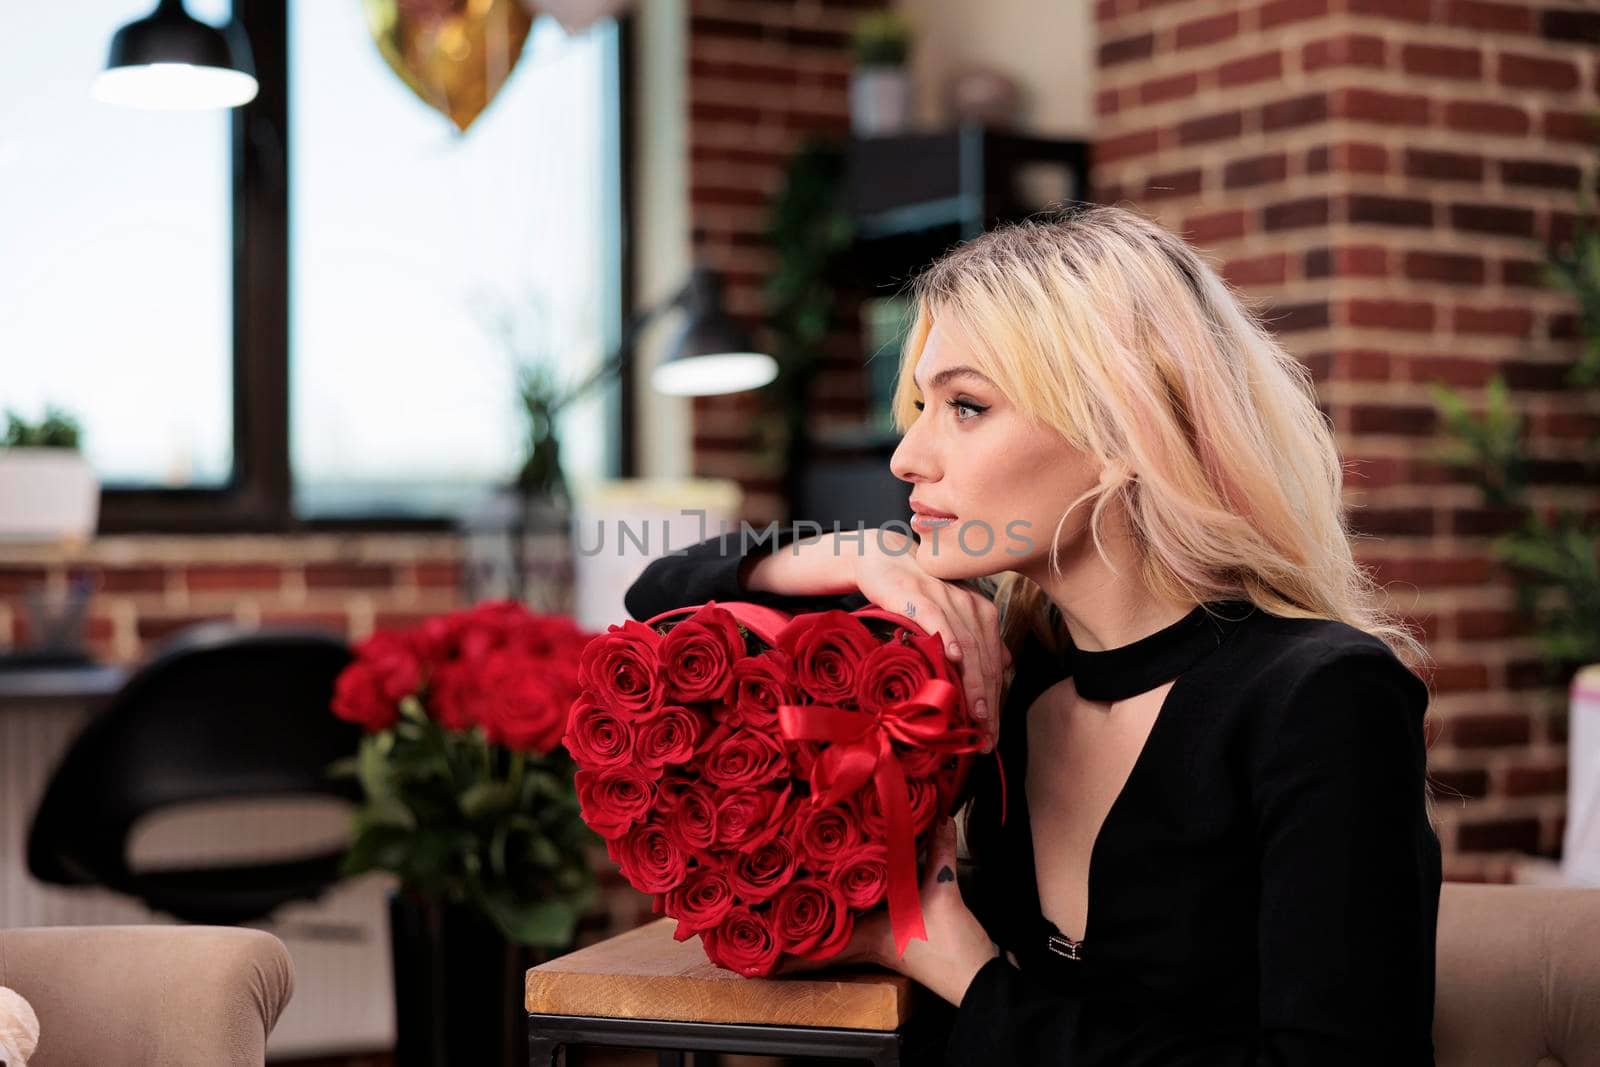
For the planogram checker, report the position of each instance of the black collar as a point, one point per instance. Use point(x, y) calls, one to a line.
point(1128, 670)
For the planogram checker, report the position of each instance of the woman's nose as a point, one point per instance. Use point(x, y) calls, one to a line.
point(910, 462)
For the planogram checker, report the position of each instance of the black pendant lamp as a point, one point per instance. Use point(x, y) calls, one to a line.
point(169, 60)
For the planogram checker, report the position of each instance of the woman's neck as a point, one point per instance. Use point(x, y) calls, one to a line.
point(1102, 608)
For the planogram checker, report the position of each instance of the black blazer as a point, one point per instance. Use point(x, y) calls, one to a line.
point(1265, 889)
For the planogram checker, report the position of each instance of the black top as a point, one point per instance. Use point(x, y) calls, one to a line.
point(1265, 888)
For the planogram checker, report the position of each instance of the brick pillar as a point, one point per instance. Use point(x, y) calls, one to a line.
point(763, 76)
point(1381, 177)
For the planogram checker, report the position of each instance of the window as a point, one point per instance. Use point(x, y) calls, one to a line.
point(285, 315)
point(116, 278)
point(411, 246)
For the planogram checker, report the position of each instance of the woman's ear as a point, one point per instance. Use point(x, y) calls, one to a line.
point(1115, 472)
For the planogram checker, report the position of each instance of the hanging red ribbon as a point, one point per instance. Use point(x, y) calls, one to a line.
point(859, 751)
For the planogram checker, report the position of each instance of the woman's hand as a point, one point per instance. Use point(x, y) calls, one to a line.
point(887, 573)
point(957, 944)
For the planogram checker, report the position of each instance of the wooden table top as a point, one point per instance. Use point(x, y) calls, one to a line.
point(645, 974)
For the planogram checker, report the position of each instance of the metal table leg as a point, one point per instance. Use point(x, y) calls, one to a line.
point(549, 1034)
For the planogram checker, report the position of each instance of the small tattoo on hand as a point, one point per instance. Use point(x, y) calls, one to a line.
point(911, 610)
point(946, 874)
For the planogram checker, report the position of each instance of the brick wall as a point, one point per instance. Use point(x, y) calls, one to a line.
point(1382, 177)
point(763, 76)
point(148, 587)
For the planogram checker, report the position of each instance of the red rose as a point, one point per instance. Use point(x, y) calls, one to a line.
point(671, 787)
point(862, 875)
point(749, 817)
point(802, 756)
point(701, 902)
point(924, 798)
point(932, 649)
point(760, 684)
point(743, 941)
point(827, 649)
point(650, 860)
point(698, 654)
point(439, 637)
point(745, 758)
point(863, 808)
point(519, 705)
point(455, 695)
point(810, 919)
point(919, 762)
point(595, 736)
point(922, 795)
point(386, 669)
point(668, 738)
point(621, 667)
point(891, 673)
point(759, 873)
point(692, 820)
point(823, 835)
point(612, 801)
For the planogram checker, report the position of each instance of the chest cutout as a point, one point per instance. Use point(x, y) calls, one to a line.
point(1080, 755)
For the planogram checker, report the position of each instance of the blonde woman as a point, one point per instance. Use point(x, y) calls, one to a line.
point(1217, 848)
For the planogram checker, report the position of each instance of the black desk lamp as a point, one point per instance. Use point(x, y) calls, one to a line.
point(711, 356)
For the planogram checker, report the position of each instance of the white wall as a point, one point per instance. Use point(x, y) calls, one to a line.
point(1046, 45)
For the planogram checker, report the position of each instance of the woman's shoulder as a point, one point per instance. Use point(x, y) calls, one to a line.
point(1284, 665)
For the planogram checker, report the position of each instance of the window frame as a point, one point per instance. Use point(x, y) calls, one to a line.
point(259, 496)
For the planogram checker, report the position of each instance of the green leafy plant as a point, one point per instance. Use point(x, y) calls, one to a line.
point(56, 430)
point(882, 39)
point(469, 795)
point(1556, 558)
point(542, 395)
point(543, 399)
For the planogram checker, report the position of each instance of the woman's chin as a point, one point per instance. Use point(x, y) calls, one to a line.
point(951, 564)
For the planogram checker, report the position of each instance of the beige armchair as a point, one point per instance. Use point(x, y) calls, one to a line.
point(1518, 976)
point(1518, 985)
point(184, 996)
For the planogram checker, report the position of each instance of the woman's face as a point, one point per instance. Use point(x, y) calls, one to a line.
point(972, 455)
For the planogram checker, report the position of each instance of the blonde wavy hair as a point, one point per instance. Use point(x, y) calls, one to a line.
point(1102, 325)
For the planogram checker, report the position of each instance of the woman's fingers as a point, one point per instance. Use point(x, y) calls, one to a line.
point(980, 669)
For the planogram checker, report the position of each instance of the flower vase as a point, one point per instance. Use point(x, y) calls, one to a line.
point(548, 569)
point(458, 985)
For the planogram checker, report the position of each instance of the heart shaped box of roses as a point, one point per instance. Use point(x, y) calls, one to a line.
point(769, 778)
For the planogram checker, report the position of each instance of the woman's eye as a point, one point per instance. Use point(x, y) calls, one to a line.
point(959, 406)
point(962, 405)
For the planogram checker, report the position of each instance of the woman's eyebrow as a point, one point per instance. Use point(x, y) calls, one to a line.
point(954, 372)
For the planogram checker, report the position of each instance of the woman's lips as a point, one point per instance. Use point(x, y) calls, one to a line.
point(928, 520)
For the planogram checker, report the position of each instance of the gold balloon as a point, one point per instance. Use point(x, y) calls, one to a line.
point(454, 54)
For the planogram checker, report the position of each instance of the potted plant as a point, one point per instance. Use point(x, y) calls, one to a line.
point(881, 91)
point(520, 535)
point(48, 490)
point(469, 800)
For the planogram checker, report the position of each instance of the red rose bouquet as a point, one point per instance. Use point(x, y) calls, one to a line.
point(770, 778)
point(468, 793)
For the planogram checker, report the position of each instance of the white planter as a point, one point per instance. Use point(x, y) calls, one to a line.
point(881, 100)
point(1580, 847)
point(47, 494)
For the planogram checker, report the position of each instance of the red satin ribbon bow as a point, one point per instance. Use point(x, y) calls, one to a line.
point(859, 750)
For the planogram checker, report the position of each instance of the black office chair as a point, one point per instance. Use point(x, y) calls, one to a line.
point(217, 713)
